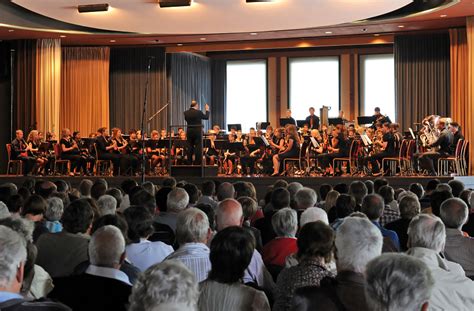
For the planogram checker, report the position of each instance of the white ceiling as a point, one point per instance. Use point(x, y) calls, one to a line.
point(213, 16)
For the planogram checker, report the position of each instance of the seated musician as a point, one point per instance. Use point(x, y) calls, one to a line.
point(312, 120)
point(156, 156)
point(34, 143)
point(379, 117)
point(305, 131)
point(386, 148)
point(163, 134)
point(211, 152)
point(233, 131)
point(179, 151)
point(338, 147)
point(129, 163)
point(443, 144)
point(290, 118)
point(85, 151)
point(48, 154)
point(106, 148)
point(251, 154)
point(292, 149)
point(230, 157)
point(20, 150)
point(70, 151)
point(239, 136)
point(394, 128)
point(457, 135)
point(135, 148)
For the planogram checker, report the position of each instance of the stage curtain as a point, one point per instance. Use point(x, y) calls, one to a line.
point(128, 72)
point(190, 80)
point(422, 79)
point(24, 109)
point(219, 94)
point(85, 88)
point(468, 107)
point(48, 84)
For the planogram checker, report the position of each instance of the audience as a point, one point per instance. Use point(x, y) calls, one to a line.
point(192, 234)
point(60, 253)
point(427, 237)
point(357, 242)
point(398, 282)
point(315, 246)
point(458, 248)
point(103, 286)
point(168, 240)
point(141, 252)
point(232, 250)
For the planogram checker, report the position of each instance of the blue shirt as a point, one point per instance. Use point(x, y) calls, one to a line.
point(196, 257)
point(6, 296)
point(392, 235)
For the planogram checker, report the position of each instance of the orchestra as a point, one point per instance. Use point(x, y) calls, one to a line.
point(256, 152)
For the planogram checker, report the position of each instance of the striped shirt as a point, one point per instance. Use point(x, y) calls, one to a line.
point(195, 256)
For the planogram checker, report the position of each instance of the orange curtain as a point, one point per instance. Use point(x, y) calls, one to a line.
point(48, 84)
point(85, 88)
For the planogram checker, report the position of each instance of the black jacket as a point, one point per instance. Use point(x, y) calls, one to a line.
point(315, 122)
point(36, 305)
point(194, 119)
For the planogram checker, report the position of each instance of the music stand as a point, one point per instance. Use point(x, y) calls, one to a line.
point(301, 123)
point(336, 121)
point(365, 120)
point(44, 147)
point(262, 125)
point(235, 147)
point(285, 121)
point(260, 142)
point(238, 127)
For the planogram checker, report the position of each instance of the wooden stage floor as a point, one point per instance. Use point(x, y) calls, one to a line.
point(261, 183)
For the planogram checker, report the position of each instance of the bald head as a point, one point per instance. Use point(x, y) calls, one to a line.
point(229, 213)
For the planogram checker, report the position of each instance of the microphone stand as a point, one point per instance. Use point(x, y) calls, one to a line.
point(142, 126)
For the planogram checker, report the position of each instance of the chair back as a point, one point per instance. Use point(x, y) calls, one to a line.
point(354, 148)
point(9, 151)
point(465, 156)
point(95, 150)
point(57, 151)
point(403, 149)
point(460, 146)
point(411, 148)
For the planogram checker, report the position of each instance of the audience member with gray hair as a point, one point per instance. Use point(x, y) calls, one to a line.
point(107, 205)
point(4, 212)
point(305, 198)
point(427, 237)
point(225, 191)
point(176, 202)
point(285, 225)
point(54, 212)
point(409, 207)
point(13, 254)
point(103, 286)
point(165, 286)
point(313, 214)
point(192, 235)
point(398, 282)
point(357, 242)
point(460, 249)
point(293, 188)
point(373, 206)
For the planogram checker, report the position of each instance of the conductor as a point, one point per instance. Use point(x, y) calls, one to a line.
point(194, 117)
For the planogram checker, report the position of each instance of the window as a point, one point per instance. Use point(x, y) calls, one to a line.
point(246, 93)
point(377, 84)
point(314, 82)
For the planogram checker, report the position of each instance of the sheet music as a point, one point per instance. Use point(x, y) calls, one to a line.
point(364, 139)
point(314, 142)
point(265, 141)
point(411, 132)
point(369, 141)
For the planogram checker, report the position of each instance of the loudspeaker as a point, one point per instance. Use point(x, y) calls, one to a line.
point(193, 171)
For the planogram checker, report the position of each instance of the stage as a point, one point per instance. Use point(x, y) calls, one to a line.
point(261, 183)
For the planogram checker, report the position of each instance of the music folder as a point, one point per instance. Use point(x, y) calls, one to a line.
point(336, 121)
point(314, 142)
point(412, 134)
point(261, 141)
point(301, 123)
point(365, 120)
point(238, 127)
point(285, 121)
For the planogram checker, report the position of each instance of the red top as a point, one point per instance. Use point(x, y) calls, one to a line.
point(276, 251)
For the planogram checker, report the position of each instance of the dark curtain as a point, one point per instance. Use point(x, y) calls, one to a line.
point(25, 91)
point(5, 100)
point(422, 77)
point(219, 94)
point(128, 73)
point(190, 79)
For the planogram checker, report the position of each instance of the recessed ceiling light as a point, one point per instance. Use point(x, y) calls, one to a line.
point(443, 15)
point(202, 39)
point(112, 41)
point(11, 30)
point(62, 36)
point(253, 33)
point(401, 26)
point(328, 32)
point(376, 34)
point(364, 29)
point(180, 44)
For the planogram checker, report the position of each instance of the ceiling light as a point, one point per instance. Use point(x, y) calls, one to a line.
point(253, 33)
point(376, 34)
point(11, 30)
point(179, 44)
point(202, 39)
point(253, 1)
point(364, 29)
point(88, 8)
point(401, 26)
point(443, 15)
point(112, 41)
point(174, 3)
point(328, 32)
